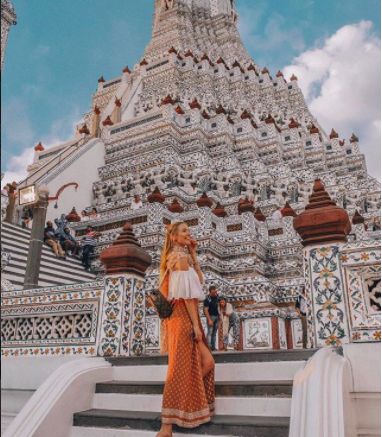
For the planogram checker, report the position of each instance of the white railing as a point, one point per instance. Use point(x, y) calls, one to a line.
point(321, 401)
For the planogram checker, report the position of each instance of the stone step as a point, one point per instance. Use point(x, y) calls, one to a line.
point(234, 426)
point(254, 389)
point(223, 357)
point(82, 431)
point(49, 264)
point(51, 277)
point(16, 276)
point(22, 247)
point(229, 373)
point(234, 406)
point(15, 228)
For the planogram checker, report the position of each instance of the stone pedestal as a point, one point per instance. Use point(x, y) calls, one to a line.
point(122, 328)
point(324, 227)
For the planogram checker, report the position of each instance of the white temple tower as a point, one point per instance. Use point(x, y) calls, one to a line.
point(8, 18)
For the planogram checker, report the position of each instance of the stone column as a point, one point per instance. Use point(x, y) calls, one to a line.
point(32, 270)
point(12, 196)
point(323, 227)
point(122, 329)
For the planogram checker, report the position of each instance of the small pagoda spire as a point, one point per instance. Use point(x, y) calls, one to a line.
point(205, 115)
point(73, 216)
point(246, 115)
point(293, 78)
point(245, 205)
point(143, 63)
point(84, 130)
point(293, 124)
point(101, 80)
point(237, 64)
point(172, 50)
point(195, 104)
point(220, 110)
point(179, 110)
point(219, 211)
point(168, 100)
point(314, 129)
point(358, 219)
point(126, 255)
point(265, 70)
point(175, 207)
point(39, 147)
point(270, 119)
point(259, 216)
point(322, 221)
point(279, 74)
point(156, 196)
point(204, 201)
point(354, 138)
point(126, 70)
point(107, 121)
point(333, 134)
point(288, 211)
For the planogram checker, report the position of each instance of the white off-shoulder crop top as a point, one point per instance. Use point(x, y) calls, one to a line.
point(185, 284)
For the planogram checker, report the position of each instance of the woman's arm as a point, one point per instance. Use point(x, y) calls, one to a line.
point(192, 309)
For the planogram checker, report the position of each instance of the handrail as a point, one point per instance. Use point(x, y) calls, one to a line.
point(66, 149)
point(321, 403)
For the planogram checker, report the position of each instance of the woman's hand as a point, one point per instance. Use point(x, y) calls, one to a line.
point(192, 245)
point(197, 334)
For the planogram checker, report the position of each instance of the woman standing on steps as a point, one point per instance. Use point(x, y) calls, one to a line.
point(189, 393)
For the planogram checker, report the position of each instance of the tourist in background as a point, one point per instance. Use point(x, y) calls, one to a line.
point(69, 243)
point(51, 240)
point(136, 202)
point(27, 217)
point(229, 320)
point(93, 214)
point(84, 216)
point(301, 308)
point(89, 242)
point(211, 311)
point(189, 393)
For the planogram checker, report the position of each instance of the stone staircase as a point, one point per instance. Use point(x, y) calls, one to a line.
point(53, 271)
point(253, 397)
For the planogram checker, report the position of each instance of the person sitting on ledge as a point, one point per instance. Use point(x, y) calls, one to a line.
point(89, 242)
point(84, 216)
point(51, 240)
point(69, 243)
point(93, 214)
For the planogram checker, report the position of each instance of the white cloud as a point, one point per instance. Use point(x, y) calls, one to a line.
point(341, 82)
point(18, 128)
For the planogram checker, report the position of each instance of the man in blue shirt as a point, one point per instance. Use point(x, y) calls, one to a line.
point(211, 311)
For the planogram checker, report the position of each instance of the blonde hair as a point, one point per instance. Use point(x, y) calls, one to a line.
point(171, 231)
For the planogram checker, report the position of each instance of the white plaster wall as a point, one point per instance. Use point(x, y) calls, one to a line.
point(84, 171)
point(365, 362)
point(20, 378)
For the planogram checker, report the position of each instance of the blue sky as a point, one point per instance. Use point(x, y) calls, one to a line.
point(58, 50)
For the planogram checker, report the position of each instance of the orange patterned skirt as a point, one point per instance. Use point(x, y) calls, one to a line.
point(188, 399)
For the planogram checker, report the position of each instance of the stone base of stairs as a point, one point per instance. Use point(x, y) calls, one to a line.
point(237, 426)
point(253, 397)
